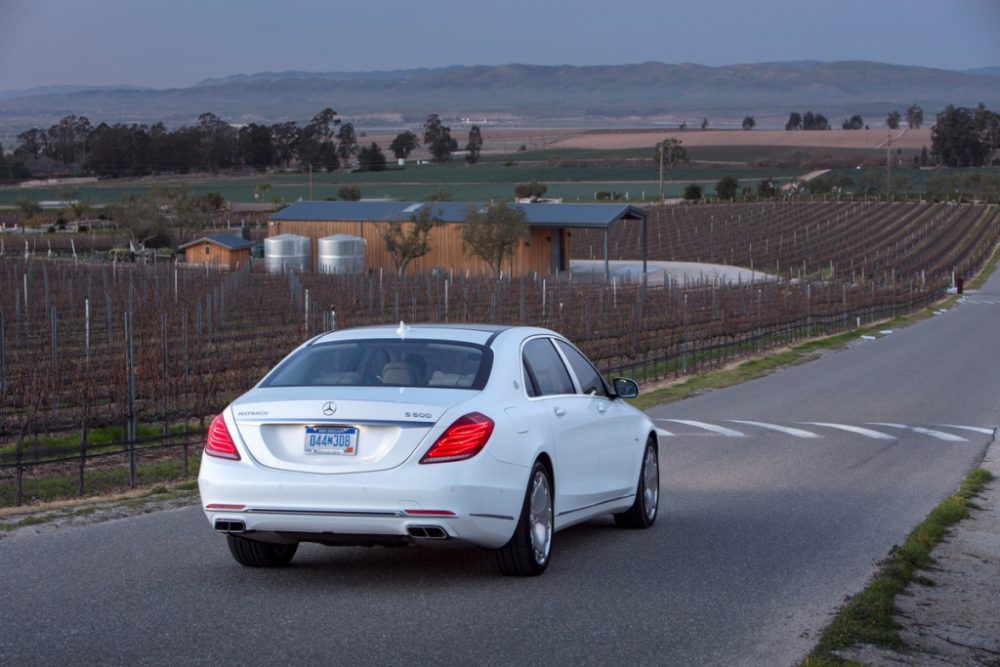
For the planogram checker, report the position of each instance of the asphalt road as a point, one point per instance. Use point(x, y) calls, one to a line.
point(765, 528)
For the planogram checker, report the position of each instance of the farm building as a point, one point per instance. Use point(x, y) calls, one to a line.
point(222, 251)
point(543, 252)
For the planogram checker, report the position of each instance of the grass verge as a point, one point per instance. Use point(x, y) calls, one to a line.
point(867, 617)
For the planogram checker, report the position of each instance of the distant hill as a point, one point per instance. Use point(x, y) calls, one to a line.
point(643, 93)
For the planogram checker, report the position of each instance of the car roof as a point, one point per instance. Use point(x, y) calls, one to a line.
point(480, 334)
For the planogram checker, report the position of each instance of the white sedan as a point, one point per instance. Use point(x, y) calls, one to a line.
point(481, 435)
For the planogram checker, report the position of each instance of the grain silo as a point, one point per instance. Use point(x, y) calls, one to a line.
point(341, 253)
point(287, 252)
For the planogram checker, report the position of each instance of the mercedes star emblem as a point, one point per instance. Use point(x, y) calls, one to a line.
point(329, 408)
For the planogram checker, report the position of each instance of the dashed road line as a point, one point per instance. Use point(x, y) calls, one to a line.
point(664, 432)
point(788, 430)
point(721, 430)
point(974, 429)
point(866, 432)
point(939, 435)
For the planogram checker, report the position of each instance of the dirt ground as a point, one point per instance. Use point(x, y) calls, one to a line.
point(870, 139)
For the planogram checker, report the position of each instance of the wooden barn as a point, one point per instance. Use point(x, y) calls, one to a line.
point(544, 251)
point(222, 251)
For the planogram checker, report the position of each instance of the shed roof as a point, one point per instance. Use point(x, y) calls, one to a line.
point(225, 240)
point(536, 215)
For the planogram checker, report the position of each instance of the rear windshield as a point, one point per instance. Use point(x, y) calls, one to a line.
point(385, 362)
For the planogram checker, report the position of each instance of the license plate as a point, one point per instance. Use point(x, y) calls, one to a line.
point(340, 440)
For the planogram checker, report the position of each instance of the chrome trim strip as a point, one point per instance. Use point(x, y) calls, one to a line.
point(306, 512)
point(587, 507)
point(494, 516)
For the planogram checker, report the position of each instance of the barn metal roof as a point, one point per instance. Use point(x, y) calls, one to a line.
point(225, 240)
point(536, 215)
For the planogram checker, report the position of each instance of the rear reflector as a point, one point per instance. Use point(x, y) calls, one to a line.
point(429, 513)
point(223, 506)
point(462, 440)
point(219, 443)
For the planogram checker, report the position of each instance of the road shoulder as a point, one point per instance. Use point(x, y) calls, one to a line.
point(954, 619)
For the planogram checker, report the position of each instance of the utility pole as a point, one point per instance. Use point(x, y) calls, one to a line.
point(311, 198)
point(660, 151)
point(888, 166)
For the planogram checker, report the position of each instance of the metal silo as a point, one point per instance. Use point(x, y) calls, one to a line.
point(287, 252)
point(341, 253)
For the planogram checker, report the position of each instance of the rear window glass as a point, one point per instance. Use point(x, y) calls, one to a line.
point(385, 362)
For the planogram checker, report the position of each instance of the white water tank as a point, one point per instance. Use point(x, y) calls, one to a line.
point(287, 252)
point(341, 253)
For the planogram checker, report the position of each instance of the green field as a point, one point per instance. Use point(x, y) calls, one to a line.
point(492, 178)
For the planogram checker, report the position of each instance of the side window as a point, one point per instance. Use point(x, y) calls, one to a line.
point(545, 369)
point(591, 381)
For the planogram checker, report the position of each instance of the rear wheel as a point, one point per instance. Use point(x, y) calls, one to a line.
point(527, 552)
point(643, 512)
point(260, 554)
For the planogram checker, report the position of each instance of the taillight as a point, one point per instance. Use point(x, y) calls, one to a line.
point(219, 443)
point(462, 440)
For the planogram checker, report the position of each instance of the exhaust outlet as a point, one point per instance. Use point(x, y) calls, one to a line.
point(427, 532)
point(224, 526)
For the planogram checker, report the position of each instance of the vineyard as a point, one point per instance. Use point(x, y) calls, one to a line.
point(108, 371)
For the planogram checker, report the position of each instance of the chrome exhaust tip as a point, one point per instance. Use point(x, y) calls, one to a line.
point(226, 526)
point(427, 532)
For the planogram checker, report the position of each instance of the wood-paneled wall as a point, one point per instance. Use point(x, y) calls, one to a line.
point(216, 255)
point(447, 250)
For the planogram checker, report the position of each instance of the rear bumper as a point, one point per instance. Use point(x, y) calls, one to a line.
point(476, 502)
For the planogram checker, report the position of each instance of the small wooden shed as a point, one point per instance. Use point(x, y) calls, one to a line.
point(221, 251)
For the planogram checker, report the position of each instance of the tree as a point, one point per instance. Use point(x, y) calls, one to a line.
point(256, 146)
point(794, 121)
point(348, 146)
point(988, 128)
point(530, 190)
point(406, 241)
point(669, 152)
point(704, 123)
point(749, 123)
point(892, 120)
point(371, 158)
point(767, 188)
point(820, 122)
point(808, 121)
point(855, 122)
point(474, 145)
point(404, 144)
point(492, 234)
point(349, 193)
point(692, 192)
point(315, 142)
point(954, 138)
point(218, 142)
point(914, 116)
point(438, 139)
point(285, 138)
point(727, 187)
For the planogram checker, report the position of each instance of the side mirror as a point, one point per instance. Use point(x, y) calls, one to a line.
point(626, 387)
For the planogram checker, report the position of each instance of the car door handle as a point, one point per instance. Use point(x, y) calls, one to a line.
point(602, 408)
point(560, 412)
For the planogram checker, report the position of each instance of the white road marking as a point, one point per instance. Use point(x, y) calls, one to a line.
point(797, 432)
point(940, 435)
point(866, 432)
point(974, 429)
point(721, 430)
point(665, 433)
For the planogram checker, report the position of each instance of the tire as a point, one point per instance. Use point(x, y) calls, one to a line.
point(528, 551)
point(260, 554)
point(643, 512)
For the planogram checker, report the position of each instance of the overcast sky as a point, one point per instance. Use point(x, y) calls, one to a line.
point(169, 43)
